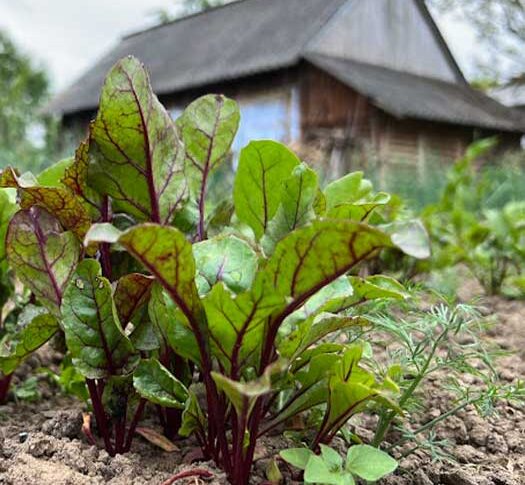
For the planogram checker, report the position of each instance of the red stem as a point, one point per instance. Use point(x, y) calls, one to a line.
point(5, 382)
point(134, 424)
point(100, 416)
point(239, 465)
point(197, 472)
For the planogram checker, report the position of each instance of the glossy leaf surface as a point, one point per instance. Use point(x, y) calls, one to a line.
point(135, 155)
point(43, 256)
point(227, 259)
point(93, 333)
point(36, 327)
point(59, 201)
point(156, 384)
point(263, 165)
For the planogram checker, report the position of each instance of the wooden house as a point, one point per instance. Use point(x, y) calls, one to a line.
point(359, 78)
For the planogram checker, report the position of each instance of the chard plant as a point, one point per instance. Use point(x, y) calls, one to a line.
point(226, 317)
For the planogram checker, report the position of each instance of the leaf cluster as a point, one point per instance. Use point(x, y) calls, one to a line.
point(490, 241)
point(227, 317)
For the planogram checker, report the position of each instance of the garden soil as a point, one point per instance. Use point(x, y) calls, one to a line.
point(42, 443)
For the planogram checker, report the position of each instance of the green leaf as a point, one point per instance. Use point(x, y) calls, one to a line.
point(244, 395)
point(119, 396)
point(351, 197)
point(52, 175)
point(59, 201)
point(143, 335)
point(340, 288)
point(7, 209)
point(273, 473)
point(42, 255)
point(312, 257)
point(313, 330)
point(156, 384)
point(350, 389)
point(220, 216)
point(167, 255)
point(312, 387)
point(131, 294)
point(75, 178)
point(367, 289)
point(28, 390)
point(207, 127)
point(317, 471)
point(227, 259)
point(346, 190)
point(359, 210)
point(102, 232)
point(36, 328)
point(193, 419)
point(411, 237)
point(236, 322)
point(135, 155)
point(263, 165)
point(298, 195)
point(332, 458)
point(297, 457)
point(167, 322)
point(93, 333)
point(369, 463)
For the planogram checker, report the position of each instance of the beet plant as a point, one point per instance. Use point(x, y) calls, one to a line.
point(23, 326)
point(228, 337)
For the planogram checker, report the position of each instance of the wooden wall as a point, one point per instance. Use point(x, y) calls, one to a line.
point(344, 128)
point(360, 131)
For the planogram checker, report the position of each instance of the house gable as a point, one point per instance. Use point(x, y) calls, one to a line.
point(395, 34)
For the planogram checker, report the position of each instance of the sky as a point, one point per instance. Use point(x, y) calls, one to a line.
point(68, 36)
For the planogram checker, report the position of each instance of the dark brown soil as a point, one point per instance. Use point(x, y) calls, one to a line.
point(41, 443)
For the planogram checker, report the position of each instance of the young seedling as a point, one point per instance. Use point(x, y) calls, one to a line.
point(329, 468)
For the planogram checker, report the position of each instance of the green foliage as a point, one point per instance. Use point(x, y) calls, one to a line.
point(136, 157)
point(94, 336)
point(467, 228)
point(35, 327)
point(443, 341)
point(155, 383)
point(256, 200)
point(362, 461)
point(28, 390)
point(43, 254)
point(236, 315)
point(25, 88)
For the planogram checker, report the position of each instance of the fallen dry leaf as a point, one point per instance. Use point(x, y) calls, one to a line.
point(157, 439)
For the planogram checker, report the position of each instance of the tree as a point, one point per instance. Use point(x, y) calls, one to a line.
point(25, 88)
point(500, 26)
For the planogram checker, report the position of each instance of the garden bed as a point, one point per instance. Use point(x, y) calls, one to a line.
point(42, 442)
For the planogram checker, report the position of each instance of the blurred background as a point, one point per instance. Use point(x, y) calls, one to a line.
point(46, 49)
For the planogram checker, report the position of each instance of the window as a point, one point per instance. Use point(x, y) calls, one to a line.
point(273, 115)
